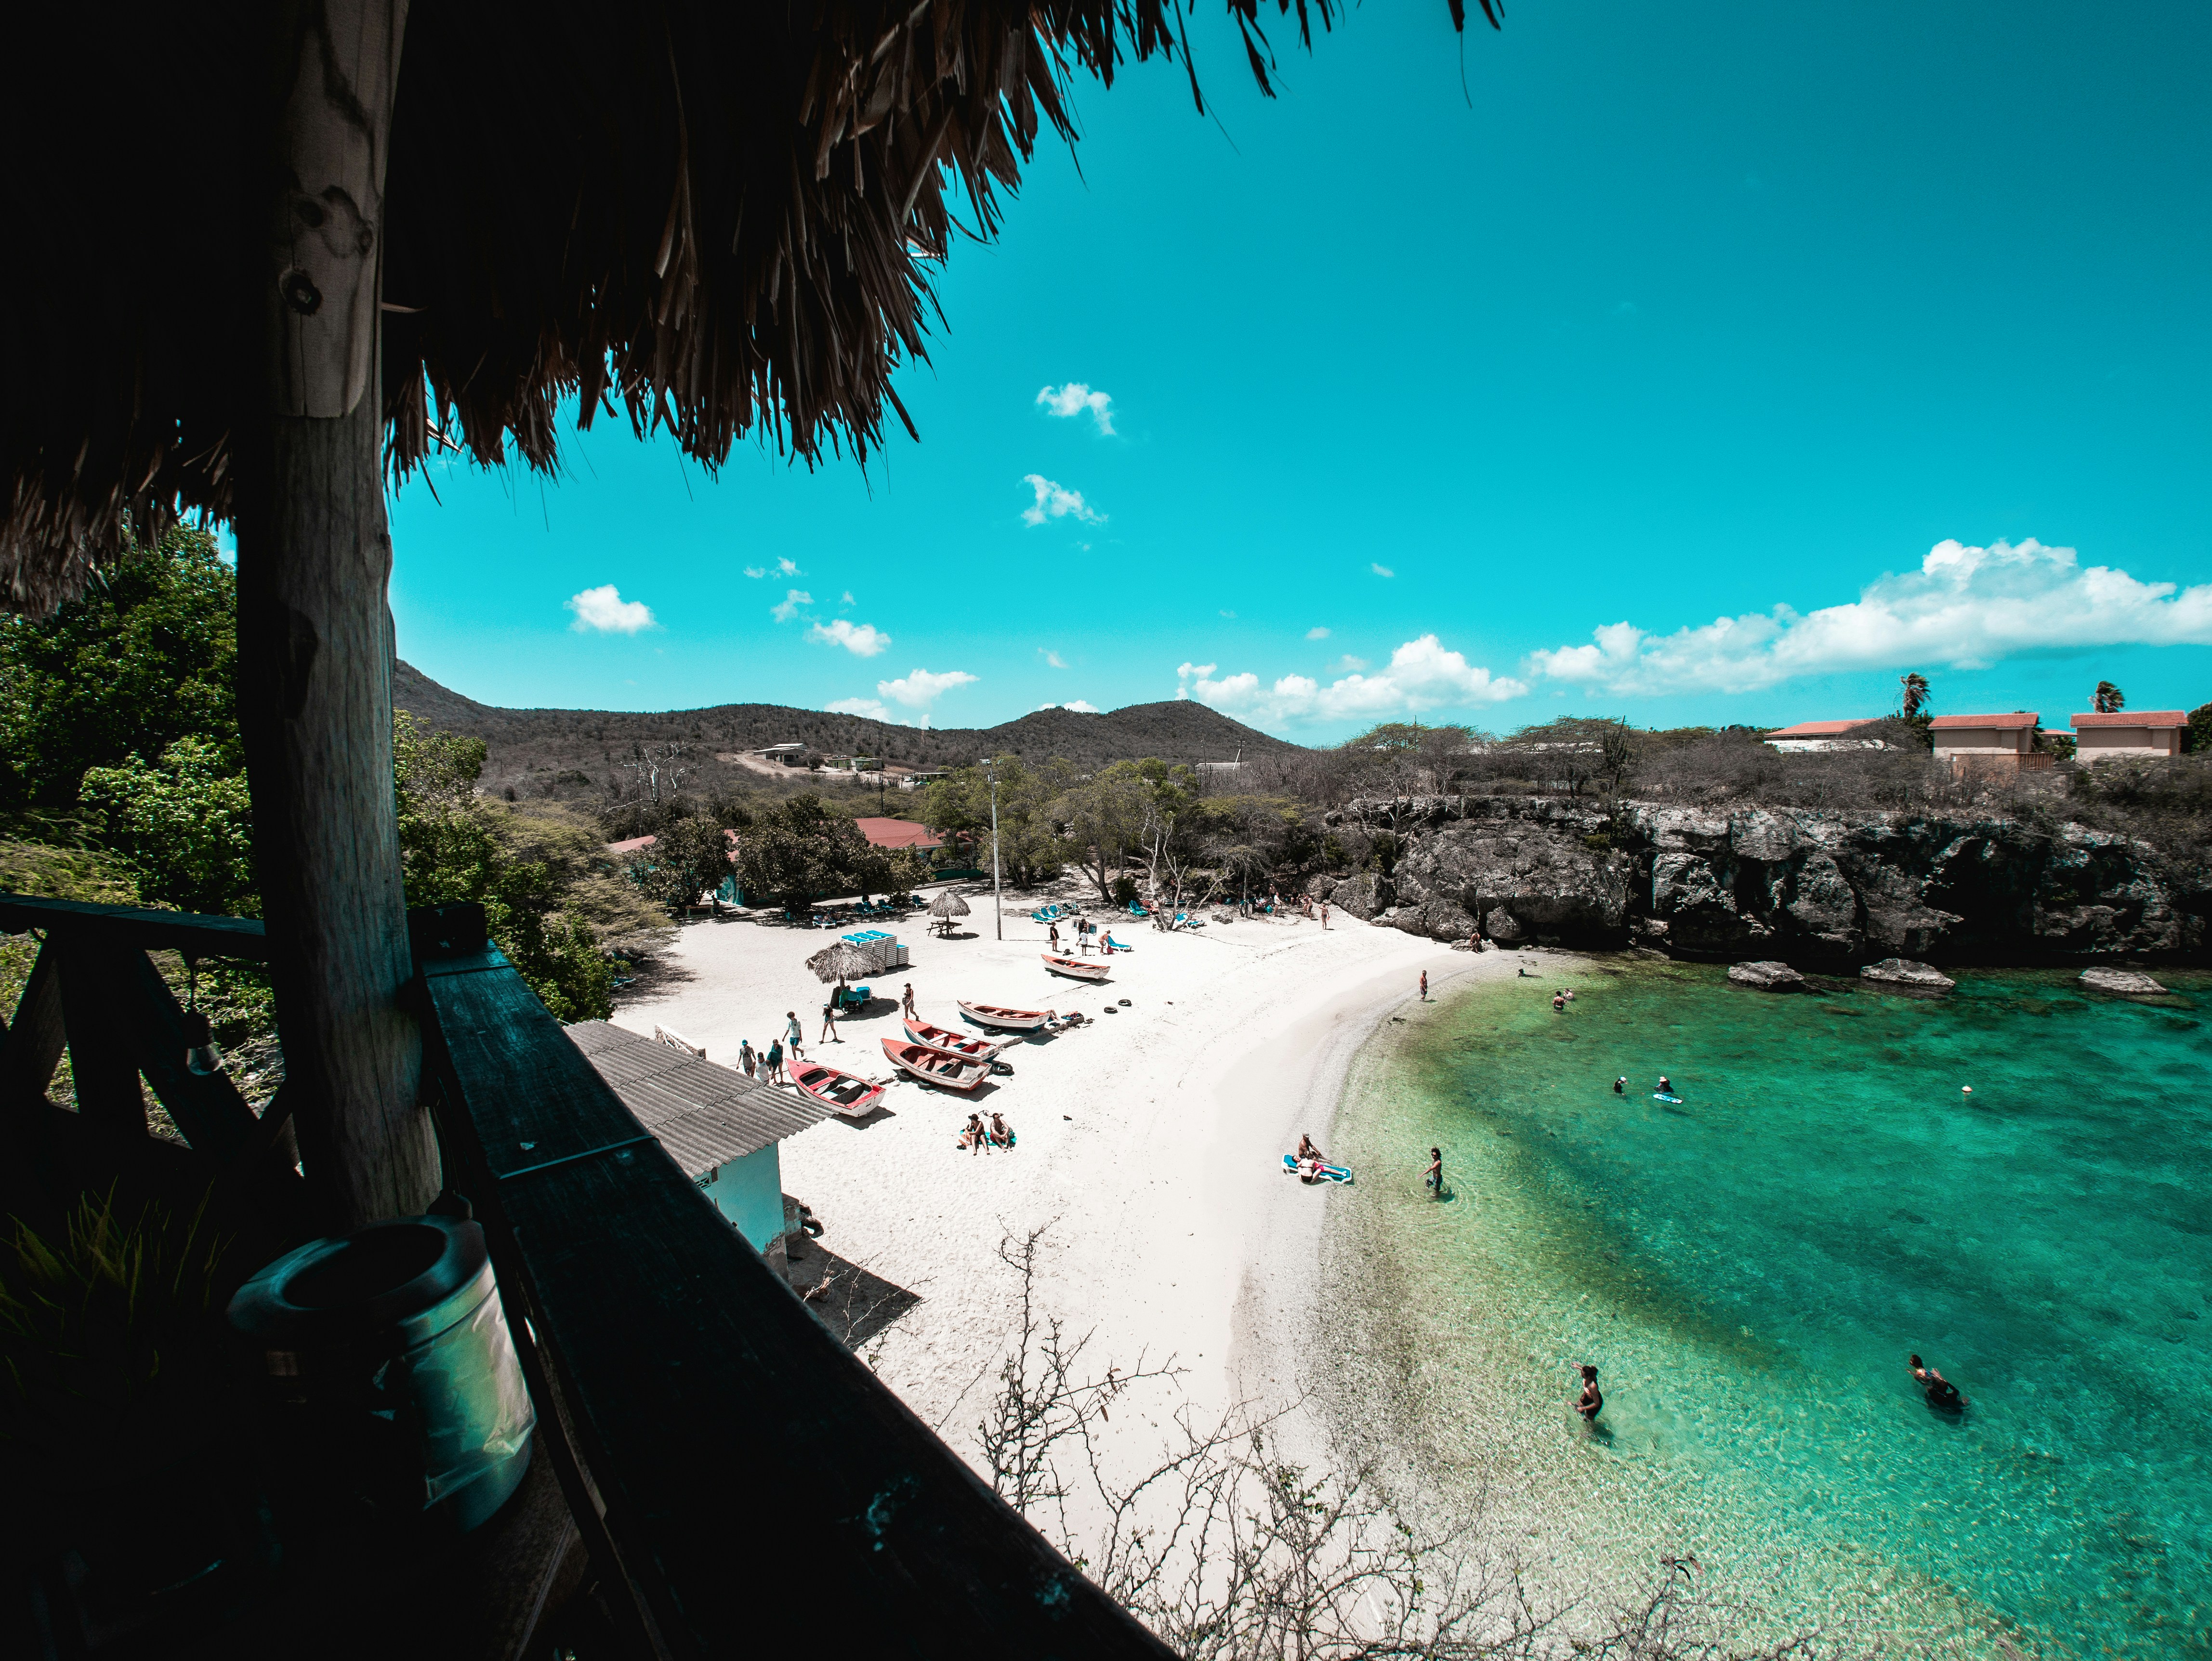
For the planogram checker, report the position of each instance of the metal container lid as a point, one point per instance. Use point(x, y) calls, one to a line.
point(404, 1281)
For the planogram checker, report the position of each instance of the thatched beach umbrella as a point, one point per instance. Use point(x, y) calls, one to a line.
point(945, 907)
point(386, 236)
point(840, 962)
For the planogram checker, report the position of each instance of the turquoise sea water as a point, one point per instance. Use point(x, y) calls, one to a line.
point(1751, 1268)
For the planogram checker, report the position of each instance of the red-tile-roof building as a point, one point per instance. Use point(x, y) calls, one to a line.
point(1827, 735)
point(2130, 733)
point(894, 834)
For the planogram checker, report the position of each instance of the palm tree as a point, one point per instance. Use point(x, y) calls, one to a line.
point(1915, 694)
point(2110, 699)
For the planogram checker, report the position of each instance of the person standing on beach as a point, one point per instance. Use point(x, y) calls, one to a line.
point(1324, 914)
point(772, 1070)
point(830, 1021)
point(1053, 938)
point(792, 1033)
point(1425, 986)
point(1591, 1401)
point(746, 1060)
point(1434, 1175)
point(906, 1001)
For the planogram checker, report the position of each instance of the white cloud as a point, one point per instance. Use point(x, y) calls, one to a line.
point(1422, 675)
point(1316, 633)
point(1074, 398)
point(1231, 615)
point(788, 608)
point(1054, 502)
point(603, 611)
point(1052, 658)
point(1082, 707)
point(1347, 661)
point(847, 600)
point(1382, 570)
point(1964, 608)
point(862, 639)
point(756, 570)
point(787, 568)
point(915, 691)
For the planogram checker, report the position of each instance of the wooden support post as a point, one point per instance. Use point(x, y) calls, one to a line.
point(103, 1059)
point(37, 1036)
point(315, 642)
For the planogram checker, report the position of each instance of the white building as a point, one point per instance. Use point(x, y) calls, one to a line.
point(1827, 735)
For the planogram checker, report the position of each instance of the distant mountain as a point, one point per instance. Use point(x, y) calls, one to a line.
point(531, 748)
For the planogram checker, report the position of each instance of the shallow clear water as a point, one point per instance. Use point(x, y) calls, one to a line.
point(1751, 1268)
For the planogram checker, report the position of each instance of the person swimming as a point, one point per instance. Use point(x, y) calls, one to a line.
point(1942, 1395)
point(1620, 1086)
point(1591, 1401)
point(1434, 1175)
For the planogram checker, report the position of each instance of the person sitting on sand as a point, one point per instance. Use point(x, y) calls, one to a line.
point(1941, 1391)
point(971, 1136)
point(1001, 1134)
point(1591, 1401)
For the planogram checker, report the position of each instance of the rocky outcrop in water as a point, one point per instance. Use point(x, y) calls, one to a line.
point(1798, 885)
point(2125, 981)
point(1903, 971)
point(1767, 977)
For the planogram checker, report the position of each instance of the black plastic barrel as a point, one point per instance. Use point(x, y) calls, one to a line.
point(391, 1371)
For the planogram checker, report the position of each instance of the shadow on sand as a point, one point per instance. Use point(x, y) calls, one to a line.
point(846, 1298)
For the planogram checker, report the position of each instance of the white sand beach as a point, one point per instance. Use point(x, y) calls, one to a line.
point(1150, 1142)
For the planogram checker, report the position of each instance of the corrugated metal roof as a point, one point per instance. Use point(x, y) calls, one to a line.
point(2135, 718)
point(2009, 723)
point(704, 1115)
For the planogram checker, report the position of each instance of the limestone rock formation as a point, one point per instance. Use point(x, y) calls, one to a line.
point(1832, 889)
point(2127, 982)
point(1767, 976)
point(1903, 971)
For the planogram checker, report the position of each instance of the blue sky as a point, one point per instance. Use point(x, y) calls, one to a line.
point(1538, 406)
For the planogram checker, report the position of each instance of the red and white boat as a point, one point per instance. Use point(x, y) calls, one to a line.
point(999, 1018)
point(1076, 969)
point(936, 1066)
point(957, 1043)
point(841, 1092)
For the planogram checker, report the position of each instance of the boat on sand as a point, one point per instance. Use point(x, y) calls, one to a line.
point(936, 1066)
point(1076, 969)
point(957, 1043)
point(999, 1018)
point(841, 1092)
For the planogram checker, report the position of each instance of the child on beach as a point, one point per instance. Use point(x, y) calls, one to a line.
point(830, 1020)
point(746, 1060)
point(772, 1069)
point(792, 1033)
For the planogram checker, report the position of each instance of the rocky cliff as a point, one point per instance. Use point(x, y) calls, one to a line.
point(1824, 889)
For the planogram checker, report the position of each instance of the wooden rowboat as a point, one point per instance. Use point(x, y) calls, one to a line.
point(841, 1092)
point(935, 1067)
point(957, 1043)
point(1076, 969)
point(999, 1018)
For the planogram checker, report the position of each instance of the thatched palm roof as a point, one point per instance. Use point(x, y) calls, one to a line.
point(705, 217)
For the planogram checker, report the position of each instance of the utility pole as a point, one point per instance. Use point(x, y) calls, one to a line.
point(998, 906)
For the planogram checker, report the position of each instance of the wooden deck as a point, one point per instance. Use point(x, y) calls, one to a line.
point(742, 1483)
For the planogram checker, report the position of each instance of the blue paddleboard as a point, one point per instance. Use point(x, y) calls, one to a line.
point(1335, 1173)
point(1659, 1096)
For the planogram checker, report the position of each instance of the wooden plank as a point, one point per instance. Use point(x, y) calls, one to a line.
point(761, 1486)
point(207, 1108)
point(37, 1036)
point(201, 934)
point(103, 1057)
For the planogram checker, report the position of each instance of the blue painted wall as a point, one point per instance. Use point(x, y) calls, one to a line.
point(750, 1193)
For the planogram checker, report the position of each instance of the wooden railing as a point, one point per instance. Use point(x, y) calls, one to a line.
point(742, 1483)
